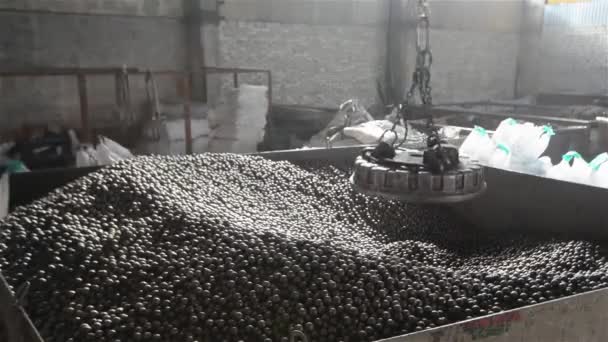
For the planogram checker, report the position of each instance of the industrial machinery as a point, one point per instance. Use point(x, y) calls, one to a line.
point(436, 175)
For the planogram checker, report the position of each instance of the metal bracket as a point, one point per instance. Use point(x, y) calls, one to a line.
point(21, 294)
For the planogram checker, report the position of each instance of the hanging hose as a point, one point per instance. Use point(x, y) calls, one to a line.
point(124, 96)
point(154, 118)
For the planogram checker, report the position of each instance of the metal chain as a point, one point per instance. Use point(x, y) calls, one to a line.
point(421, 77)
point(424, 57)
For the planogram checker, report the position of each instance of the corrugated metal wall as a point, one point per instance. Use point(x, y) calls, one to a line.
point(574, 48)
point(587, 13)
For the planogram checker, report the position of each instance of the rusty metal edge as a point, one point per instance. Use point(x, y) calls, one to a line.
point(4, 194)
point(524, 322)
point(17, 323)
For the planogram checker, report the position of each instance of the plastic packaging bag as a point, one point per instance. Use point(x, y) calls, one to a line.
point(74, 140)
point(351, 113)
point(599, 170)
point(561, 170)
point(478, 145)
point(571, 168)
point(532, 142)
point(539, 145)
point(105, 156)
point(538, 167)
point(116, 148)
point(529, 146)
point(4, 150)
point(85, 156)
point(501, 157)
point(580, 171)
point(370, 132)
point(541, 166)
point(526, 136)
point(366, 133)
point(506, 133)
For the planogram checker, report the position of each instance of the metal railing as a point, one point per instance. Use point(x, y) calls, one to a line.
point(184, 87)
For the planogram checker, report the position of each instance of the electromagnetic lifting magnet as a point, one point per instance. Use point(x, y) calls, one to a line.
point(408, 176)
point(434, 176)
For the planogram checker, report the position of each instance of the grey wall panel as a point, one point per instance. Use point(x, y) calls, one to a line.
point(574, 48)
point(62, 40)
point(470, 15)
point(171, 8)
point(591, 13)
point(317, 65)
point(574, 60)
point(474, 58)
point(529, 55)
point(313, 12)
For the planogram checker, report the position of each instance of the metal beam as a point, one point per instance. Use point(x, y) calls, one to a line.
point(420, 112)
point(47, 71)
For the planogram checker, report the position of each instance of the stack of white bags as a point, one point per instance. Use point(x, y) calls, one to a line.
point(238, 126)
point(519, 147)
point(513, 146)
point(167, 136)
point(173, 136)
point(106, 152)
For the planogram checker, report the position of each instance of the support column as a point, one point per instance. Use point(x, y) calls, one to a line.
point(527, 81)
point(401, 48)
point(210, 40)
point(194, 45)
point(203, 20)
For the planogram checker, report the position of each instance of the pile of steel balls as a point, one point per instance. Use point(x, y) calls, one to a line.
point(227, 247)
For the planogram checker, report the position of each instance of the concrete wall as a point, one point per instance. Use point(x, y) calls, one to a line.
point(164, 8)
point(574, 49)
point(83, 33)
point(471, 65)
point(575, 61)
point(529, 57)
point(321, 53)
point(483, 49)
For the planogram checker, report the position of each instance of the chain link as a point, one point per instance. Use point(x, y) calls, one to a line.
point(421, 77)
point(424, 57)
point(423, 41)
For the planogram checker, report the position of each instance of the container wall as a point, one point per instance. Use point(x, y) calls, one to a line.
point(4, 195)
